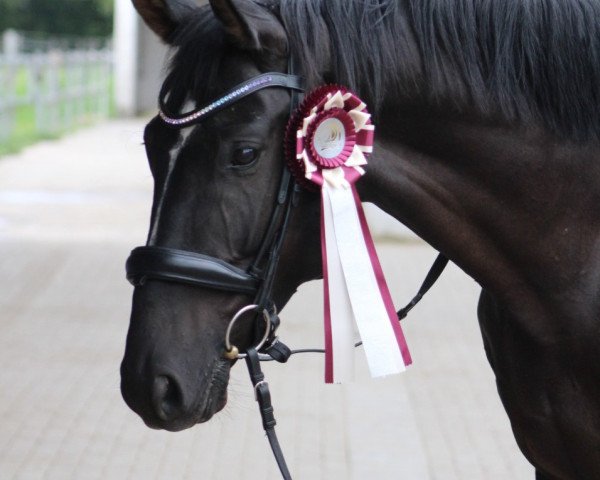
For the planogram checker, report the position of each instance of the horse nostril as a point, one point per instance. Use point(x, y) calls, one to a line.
point(166, 397)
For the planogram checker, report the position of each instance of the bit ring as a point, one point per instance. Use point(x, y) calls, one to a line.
point(232, 350)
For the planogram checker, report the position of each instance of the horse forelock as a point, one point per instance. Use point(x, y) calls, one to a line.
point(526, 60)
point(198, 50)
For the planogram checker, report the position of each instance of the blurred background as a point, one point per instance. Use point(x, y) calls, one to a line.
point(69, 63)
point(78, 81)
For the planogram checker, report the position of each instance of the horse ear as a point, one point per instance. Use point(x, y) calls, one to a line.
point(251, 26)
point(163, 16)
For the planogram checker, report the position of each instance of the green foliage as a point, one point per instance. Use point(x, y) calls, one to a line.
point(58, 17)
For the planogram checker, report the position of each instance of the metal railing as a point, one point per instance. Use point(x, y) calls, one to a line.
point(55, 90)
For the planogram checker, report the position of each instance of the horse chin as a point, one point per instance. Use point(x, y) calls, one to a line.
point(214, 406)
point(216, 397)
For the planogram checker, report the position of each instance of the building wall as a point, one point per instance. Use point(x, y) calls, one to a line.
point(139, 62)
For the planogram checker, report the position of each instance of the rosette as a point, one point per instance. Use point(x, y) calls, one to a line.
point(328, 141)
point(331, 130)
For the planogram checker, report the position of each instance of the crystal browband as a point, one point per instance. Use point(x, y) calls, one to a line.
point(257, 83)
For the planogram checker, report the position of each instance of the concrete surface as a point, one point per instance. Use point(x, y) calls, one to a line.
point(70, 211)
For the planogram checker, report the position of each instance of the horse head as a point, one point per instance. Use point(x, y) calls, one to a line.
point(216, 184)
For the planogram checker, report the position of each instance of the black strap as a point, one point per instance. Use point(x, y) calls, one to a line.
point(263, 397)
point(275, 224)
point(263, 297)
point(287, 199)
point(280, 352)
point(434, 273)
point(161, 263)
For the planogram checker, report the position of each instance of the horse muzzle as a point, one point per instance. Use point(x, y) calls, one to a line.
point(165, 401)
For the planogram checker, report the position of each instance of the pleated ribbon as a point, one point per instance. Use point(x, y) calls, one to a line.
point(333, 136)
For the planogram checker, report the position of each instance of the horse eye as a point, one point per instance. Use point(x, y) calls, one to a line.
point(244, 157)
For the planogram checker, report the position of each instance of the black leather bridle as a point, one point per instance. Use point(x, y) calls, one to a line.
point(168, 264)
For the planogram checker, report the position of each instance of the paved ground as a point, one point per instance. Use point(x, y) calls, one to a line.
point(69, 213)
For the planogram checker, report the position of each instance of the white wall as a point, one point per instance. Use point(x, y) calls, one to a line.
point(139, 62)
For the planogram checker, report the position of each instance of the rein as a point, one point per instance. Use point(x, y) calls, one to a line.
point(152, 262)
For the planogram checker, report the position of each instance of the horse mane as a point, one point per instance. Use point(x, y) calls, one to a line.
point(527, 60)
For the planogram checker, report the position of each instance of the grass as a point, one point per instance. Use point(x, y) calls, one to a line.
point(23, 132)
point(21, 122)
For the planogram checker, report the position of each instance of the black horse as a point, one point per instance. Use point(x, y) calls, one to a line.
point(487, 146)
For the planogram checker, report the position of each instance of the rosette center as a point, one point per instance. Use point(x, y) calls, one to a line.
point(330, 138)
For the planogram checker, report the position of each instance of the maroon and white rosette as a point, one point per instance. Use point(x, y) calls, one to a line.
point(329, 139)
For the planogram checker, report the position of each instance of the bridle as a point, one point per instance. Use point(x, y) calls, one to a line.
point(152, 262)
point(160, 263)
point(167, 264)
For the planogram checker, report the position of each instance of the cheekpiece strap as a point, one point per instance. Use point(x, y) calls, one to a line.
point(266, 80)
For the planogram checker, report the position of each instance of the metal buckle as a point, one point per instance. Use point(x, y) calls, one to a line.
point(262, 382)
point(231, 351)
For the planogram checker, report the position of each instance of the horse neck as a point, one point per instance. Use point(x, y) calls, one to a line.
point(514, 208)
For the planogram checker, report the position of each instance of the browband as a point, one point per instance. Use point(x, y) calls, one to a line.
point(266, 80)
point(161, 263)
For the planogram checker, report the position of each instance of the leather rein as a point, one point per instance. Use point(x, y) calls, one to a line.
point(152, 262)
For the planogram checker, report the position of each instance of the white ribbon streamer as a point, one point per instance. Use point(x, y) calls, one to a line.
point(340, 308)
point(354, 291)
